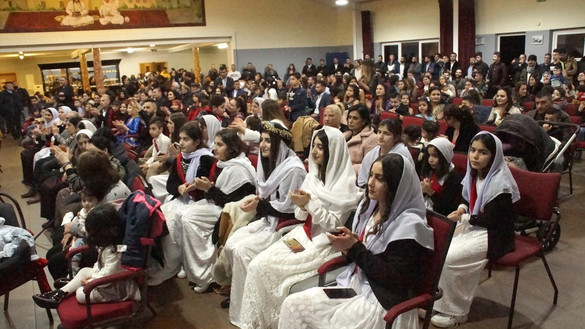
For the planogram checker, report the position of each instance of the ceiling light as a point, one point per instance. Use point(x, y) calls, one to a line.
point(152, 45)
point(130, 50)
point(341, 2)
point(20, 53)
point(222, 45)
point(21, 56)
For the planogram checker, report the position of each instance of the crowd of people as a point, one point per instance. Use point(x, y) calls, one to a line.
point(239, 157)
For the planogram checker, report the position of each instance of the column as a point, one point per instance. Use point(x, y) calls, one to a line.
point(98, 74)
point(84, 72)
point(196, 65)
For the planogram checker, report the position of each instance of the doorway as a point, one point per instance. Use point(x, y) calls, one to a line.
point(153, 67)
point(511, 46)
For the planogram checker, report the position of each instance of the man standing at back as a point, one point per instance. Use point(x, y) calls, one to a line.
point(452, 65)
point(10, 109)
point(497, 76)
point(480, 65)
point(309, 70)
point(224, 82)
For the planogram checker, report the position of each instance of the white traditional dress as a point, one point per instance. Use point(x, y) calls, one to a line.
point(198, 219)
point(246, 243)
point(406, 221)
point(275, 270)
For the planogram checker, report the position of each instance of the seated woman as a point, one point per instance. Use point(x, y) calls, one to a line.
point(232, 180)
point(504, 106)
point(326, 198)
point(381, 102)
point(440, 182)
point(389, 141)
point(486, 228)
point(436, 103)
point(195, 160)
point(388, 238)
point(130, 130)
point(279, 171)
point(461, 127)
point(210, 126)
point(360, 138)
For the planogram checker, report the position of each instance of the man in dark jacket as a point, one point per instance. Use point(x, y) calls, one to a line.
point(497, 75)
point(10, 110)
point(297, 98)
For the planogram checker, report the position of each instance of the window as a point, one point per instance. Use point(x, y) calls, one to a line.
point(571, 40)
point(410, 48)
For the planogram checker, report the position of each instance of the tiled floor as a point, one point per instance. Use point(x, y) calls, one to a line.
point(180, 307)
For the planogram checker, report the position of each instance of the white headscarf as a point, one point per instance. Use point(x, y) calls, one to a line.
point(88, 125)
point(498, 180)
point(339, 193)
point(259, 100)
point(195, 158)
point(368, 160)
point(287, 163)
point(407, 220)
point(236, 172)
point(65, 108)
point(85, 132)
point(213, 127)
point(444, 146)
point(55, 116)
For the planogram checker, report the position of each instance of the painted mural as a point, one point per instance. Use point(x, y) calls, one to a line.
point(79, 15)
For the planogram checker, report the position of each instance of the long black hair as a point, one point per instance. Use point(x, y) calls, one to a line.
point(193, 131)
point(104, 228)
point(392, 168)
point(325, 141)
point(269, 163)
point(489, 142)
point(233, 142)
point(178, 119)
point(442, 168)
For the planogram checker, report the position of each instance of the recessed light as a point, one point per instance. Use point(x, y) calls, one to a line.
point(152, 45)
point(21, 56)
point(20, 53)
point(222, 45)
point(341, 2)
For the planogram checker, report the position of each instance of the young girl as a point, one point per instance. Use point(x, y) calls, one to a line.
point(388, 238)
point(440, 182)
point(486, 230)
point(195, 160)
point(389, 141)
point(429, 131)
point(280, 170)
point(424, 109)
point(326, 198)
point(105, 232)
point(405, 101)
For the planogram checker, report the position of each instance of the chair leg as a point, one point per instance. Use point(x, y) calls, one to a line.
point(428, 315)
point(6, 298)
point(571, 180)
point(550, 276)
point(50, 316)
point(513, 303)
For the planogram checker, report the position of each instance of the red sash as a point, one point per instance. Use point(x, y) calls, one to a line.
point(472, 196)
point(438, 188)
point(308, 226)
point(182, 174)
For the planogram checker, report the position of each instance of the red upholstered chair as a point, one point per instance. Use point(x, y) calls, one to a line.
point(489, 128)
point(388, 115)
point(571, 109)
point(412, 121)
point(457, 101)
point(538, 200)
point(528, 106)
point(487, 102)
point(460, 162)
point(74, 315)
point(443, 229)
point(20, 272)
point(442, 126)
point(575, 119)
point(254, 159)
point(414, 108)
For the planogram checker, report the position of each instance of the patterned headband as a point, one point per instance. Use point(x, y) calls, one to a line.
point(279, 130)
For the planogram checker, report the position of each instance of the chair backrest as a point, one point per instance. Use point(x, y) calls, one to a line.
point(442, 126)
point(388, 115)
point(460, 162)
point(571, 109)
point(411, 121)
point(253, 159)
point(528, 106)
point(457, 101)
point(9, 211)
point(489, 128)
point(443, 229)
point(538, 193)
point(575, 119)
point(487, 102)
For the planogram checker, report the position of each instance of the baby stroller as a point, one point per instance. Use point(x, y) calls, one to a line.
point(528, 146)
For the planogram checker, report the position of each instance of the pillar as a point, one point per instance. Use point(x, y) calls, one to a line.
point(98, 74)
point(196, 65)
point(84, 72)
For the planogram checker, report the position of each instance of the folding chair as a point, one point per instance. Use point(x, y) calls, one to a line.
point(538, 200)
point(443, 229)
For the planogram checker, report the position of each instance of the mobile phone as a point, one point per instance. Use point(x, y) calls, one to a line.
point(224, 122)
point(337, 293)
point(336, 233)
point(294, 245)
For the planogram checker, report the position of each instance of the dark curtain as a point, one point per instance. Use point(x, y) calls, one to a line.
point(446, 25)
point(367, 34)
point(466, 32)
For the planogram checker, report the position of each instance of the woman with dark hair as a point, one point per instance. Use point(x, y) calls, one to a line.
point(231, 179)
point(521, 94)
point(235, 109)
point(461, 127)
point(361, 137)
point(98, 173)
point(503, 106)
point(534, 84)
point(440, 182)
point(436, 103)
point(389, 140)
point(280, 170)
point(325, 200)
point(485, 232)
point(290, 70)
point(210, 126)
point(381, 102)
point(270, 112)
point(389, 236)
point(195, 160)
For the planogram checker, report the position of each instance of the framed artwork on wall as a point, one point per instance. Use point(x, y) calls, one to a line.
point(82, 15)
